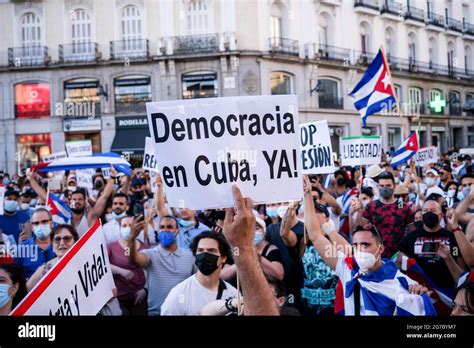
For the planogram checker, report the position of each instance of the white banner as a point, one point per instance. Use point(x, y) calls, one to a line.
point(426, 155)
point(207, 145)
point(149, 157)
point(356, 151)
point(2, 198)
point(316, 148)
point(78, 148)
point(54, 156)
point(80, 283)
point(84, 178)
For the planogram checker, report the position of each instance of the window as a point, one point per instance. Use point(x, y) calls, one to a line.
point(454, 102)
point(432, 52)
point(451, 56)
point(415, 100)
point(467, 59)
point(394, 137)
point(364, 37)
point(81, 32)
point(324, 21)
point(32, 100)
point(81, 98)
point(433, 94)
point(197, 18)
point(469, 105)
point(276, 22)
point(32, 148)
point(328, 94)
point(390, 43)
point(412, 48)
point(131, 29)
point(280, 83)
point(31, 38)
point(131, 93)
point(200, 85)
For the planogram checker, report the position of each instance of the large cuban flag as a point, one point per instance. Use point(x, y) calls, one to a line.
point(374, 91)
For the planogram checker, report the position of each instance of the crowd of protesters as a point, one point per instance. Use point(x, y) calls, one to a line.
point(360, 237)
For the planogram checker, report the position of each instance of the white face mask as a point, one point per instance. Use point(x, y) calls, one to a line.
point(397, 180)
point(429, 181)
point(365, 202)
point(125, 232)
point(451, 193)
point(24, 206)
point(365, 260)
point(109, 217)
point(281, 211)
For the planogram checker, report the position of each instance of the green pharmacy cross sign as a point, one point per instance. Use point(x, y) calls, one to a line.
point(437, 104)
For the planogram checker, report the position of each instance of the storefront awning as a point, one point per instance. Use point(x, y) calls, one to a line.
point(130, 140)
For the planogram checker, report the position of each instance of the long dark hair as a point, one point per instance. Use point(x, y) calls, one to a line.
point(17, 277)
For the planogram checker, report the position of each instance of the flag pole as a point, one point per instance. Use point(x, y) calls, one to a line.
point(397, 102)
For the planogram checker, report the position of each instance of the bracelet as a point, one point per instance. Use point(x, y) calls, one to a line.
point(457, 229)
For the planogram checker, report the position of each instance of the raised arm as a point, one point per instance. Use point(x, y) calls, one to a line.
point(239, 230)
point(40, 191)
point(286, 234)
point(461, 209)
point(465, 247)
point(138, 258)
point(160, 197)
point(101, 202)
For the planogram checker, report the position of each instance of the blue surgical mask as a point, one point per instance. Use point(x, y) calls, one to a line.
point(125, 232)
point(4, 295)
point(166, 238)
point(118, 216)
point(272, 212)
point(42, 231)
point(412, 197)
point(11, 206)
point(258, 238)
point(461, 196)
point(33, 203)
point(185, 223)
point(466, 191)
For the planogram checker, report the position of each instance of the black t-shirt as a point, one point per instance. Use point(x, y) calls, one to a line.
point(421, 245)
point(290, 257)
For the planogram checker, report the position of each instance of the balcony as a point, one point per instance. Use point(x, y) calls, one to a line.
point(79, 52)
point(284, 46)
point(414, 15)
point(454, 25)
point(367, 6)
point(28, 56)
point(329, 53)
point(364, 58)
point(398, 63)
point(129, 48)
point(195, 44)
point(455, 109)
point(435, 20)
point(392, 10)
point(330, 102)
point(468, 28)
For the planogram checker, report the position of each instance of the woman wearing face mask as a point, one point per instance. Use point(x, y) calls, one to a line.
point(451, 194)
point(128, 277)
point(12, 287)
point(63, 236)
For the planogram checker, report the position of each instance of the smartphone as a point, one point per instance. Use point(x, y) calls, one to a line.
point(430, 247)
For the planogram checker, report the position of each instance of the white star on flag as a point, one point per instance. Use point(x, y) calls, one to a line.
point(386, 81)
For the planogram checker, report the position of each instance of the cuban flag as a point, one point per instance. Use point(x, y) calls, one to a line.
point(59, 210)
point(327, 180)
point(346, 205)
point(374, 91)
point(406, 150)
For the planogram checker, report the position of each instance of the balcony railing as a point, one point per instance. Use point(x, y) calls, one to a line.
point(129, 48)
point(453, 24)
point(414, 13)
point(468, 28)
point(455, 109)
point(28, 56)
point(193, 44)
point(392, 7)
point(200, 93)
point(284, 46)
point(78, 52)
point(330, 102)
point(364, 58)
point(327, 52)
point(435, 19)
point(398, 63)
point(372, 4)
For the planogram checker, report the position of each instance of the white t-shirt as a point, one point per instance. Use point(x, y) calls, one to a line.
point(189, 297)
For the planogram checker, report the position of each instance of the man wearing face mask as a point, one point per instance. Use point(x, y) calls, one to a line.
point(465, 209)
point(12, 221)
point(191, 295)
point(431, 181)
point(389, 215)
point(24, 203)
point(423, 244)
point(138, 197)
point(39, 247)
point(189, 227)
point(166, 264)
point(363, 275)
point(120, 206)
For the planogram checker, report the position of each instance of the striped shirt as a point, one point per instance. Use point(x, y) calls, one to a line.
point(164, 271)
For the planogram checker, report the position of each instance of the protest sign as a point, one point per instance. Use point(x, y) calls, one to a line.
point(84, 178)
point(2, 198)
point(149, 162)
point(78, 148)
point(207, 145)
point(316, 148)
point(80, 283)
point(356, 151)
point(426, 155)
point(54, 156)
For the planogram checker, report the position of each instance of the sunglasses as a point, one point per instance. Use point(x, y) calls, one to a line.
point(66, 239)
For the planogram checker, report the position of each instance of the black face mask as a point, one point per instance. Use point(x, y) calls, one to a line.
point(341, 181)
point(139, 195)
point(430, 219)
point(98, 185)
point(206, 263)
point(219, 215)
point(419, 224)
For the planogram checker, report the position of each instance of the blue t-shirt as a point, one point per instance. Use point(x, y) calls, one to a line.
point(13, 224)
point(28, 211)
point(187, 234)
point(29, 256)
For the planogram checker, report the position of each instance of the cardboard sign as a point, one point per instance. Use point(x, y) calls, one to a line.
point(80, 283)
point(84, 178)
point(426, 156)
point(79, 148)
point(316, 148)
point(208, 145)
point(356, 151)
point(55, 156)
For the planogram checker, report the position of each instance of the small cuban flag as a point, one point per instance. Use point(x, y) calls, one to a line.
point(406, 150)
point(374, 92)
point(59, 210)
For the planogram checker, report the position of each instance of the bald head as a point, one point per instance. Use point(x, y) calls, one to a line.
point(432, 206)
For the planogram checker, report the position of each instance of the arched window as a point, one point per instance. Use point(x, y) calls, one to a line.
point(325, 30)
point(328, 94)
point(412, 48)
point(131, 29)
point(390, 43)
point(281, 83)
point(432, 52)
point(415, 100)
point(81, 33)
point(451, 56)
point(365, 34)
point(454, 102)
point(467, 59)
point(197, 17)
point(276, 24)
point(31, 51)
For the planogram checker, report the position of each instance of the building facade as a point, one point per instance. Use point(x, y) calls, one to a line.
point(84, 69)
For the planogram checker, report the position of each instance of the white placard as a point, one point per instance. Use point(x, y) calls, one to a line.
point(356, 151)
point(84, 178)
point(54, 156)
point(426, 155)
point(316, 148)
point(206, 146)
point(149, 157)
point(78, 148)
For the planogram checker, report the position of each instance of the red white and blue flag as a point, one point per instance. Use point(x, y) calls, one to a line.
point(374, 91)
point(59, 210)
point(406, 150)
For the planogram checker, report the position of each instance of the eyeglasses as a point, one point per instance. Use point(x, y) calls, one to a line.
point(66, 239)
point(42, 222)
